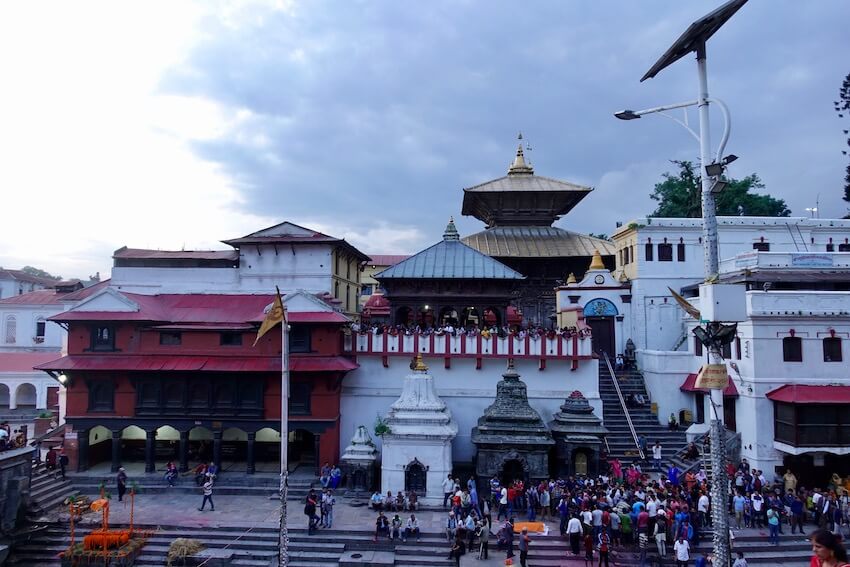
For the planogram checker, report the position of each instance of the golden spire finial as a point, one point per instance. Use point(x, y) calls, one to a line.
point(519, 164)
point(419, 364)
point(596, 263)
point(571, 279)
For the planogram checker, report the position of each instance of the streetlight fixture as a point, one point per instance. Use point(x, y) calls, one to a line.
point(693, 40)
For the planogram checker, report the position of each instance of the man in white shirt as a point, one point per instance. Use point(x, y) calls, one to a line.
point(656, 455)
point(702, 508)
point(574, 531)
point(448, 489)
point(503, 504)
point(682, 549)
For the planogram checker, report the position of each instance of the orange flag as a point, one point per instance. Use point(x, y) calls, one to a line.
point(277, 314)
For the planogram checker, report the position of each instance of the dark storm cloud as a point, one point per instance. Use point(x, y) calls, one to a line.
point(382, 111)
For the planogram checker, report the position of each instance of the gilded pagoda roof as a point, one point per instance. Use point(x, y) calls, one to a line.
point(536, 242)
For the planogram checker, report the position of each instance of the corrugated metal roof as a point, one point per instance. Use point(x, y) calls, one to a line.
point(450, 259)
point(387, 259)
point(525, 182)
point(51, 296)
point(536, 242)
point(140, 253)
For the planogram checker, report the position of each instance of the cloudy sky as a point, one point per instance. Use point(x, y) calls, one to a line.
point(175, 125)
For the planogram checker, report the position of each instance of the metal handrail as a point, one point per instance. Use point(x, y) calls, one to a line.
point(623, 405)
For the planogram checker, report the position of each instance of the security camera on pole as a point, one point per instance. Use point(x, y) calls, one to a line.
point(714, 375)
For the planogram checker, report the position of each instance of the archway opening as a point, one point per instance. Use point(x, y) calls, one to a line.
point(100, 445)
point(471, 318)
point(25, 396)
point(133, 444)
point(425, 317)
point(234, 448)
point(4, 396)
point(167, 445)
point(267, 450)
point(200, 445)
point(493, 317)
point(448, 316)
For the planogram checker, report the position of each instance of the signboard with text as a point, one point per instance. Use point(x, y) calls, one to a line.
point(712, 377)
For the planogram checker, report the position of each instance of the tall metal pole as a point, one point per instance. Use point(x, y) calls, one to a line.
point(719, 481)
point(284, 437)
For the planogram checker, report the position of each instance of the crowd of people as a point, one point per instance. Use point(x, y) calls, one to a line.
point(9, 439)
point(659, 517)
point(502, 331)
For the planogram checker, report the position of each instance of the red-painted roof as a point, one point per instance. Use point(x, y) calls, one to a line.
point(316, 317)
point(689, 385)
point(24, 361)
point(144, 254)
point(321, 364)
point(168, 363)
point(209, 309)
point(803, 394)
point(182, 308)
point(387, 259)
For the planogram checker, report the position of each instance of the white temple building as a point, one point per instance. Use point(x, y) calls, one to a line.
point(417, 449)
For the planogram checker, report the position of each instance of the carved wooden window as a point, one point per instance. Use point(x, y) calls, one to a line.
point(101, 395)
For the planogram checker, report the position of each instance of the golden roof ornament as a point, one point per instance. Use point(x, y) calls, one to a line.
point(596, 263)
point(519, 165)
point(418, 364)
point(571, 279)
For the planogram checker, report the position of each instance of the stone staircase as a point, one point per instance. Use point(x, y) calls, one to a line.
point(257, 547)
point(620, 442)
point(254, 547)
point(47, 492)
point(226, 484)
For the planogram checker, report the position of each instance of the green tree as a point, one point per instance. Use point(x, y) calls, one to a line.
point(680, 195)
point(601, 236)
point(842, 107)
point(39, 273)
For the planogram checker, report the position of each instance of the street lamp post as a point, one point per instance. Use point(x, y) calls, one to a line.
point(694, 40)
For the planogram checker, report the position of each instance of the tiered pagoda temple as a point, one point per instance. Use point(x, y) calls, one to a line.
point(511, 439)
point(449, 283)
point(519, 210)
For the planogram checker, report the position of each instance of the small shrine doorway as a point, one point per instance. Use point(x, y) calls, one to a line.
point(415, 477)
point(599, 315)
point(580, 462)
point(512, 470)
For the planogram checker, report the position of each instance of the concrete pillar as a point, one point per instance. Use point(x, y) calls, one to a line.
point(217, 448)
point(116, 449)
point(249, 455)
point(317, 443)
point(13, 396)
point(184, 451)
point(150, 451)
point(82, 450)
point(41, 396)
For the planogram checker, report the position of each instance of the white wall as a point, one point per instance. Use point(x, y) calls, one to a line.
point(664, 373)
point(371, 389)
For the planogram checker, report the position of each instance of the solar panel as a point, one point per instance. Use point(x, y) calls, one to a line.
point(695, 36)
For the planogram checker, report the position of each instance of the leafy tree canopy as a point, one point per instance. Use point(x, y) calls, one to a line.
point(39, 273)
point(680, 195)
point(601, 235)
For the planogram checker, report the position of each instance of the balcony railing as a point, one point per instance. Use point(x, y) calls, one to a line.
point(544, 347)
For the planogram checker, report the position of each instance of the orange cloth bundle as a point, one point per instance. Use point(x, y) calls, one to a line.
point(533, 527)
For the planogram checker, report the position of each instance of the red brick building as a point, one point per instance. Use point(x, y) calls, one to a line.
point(174, 377)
